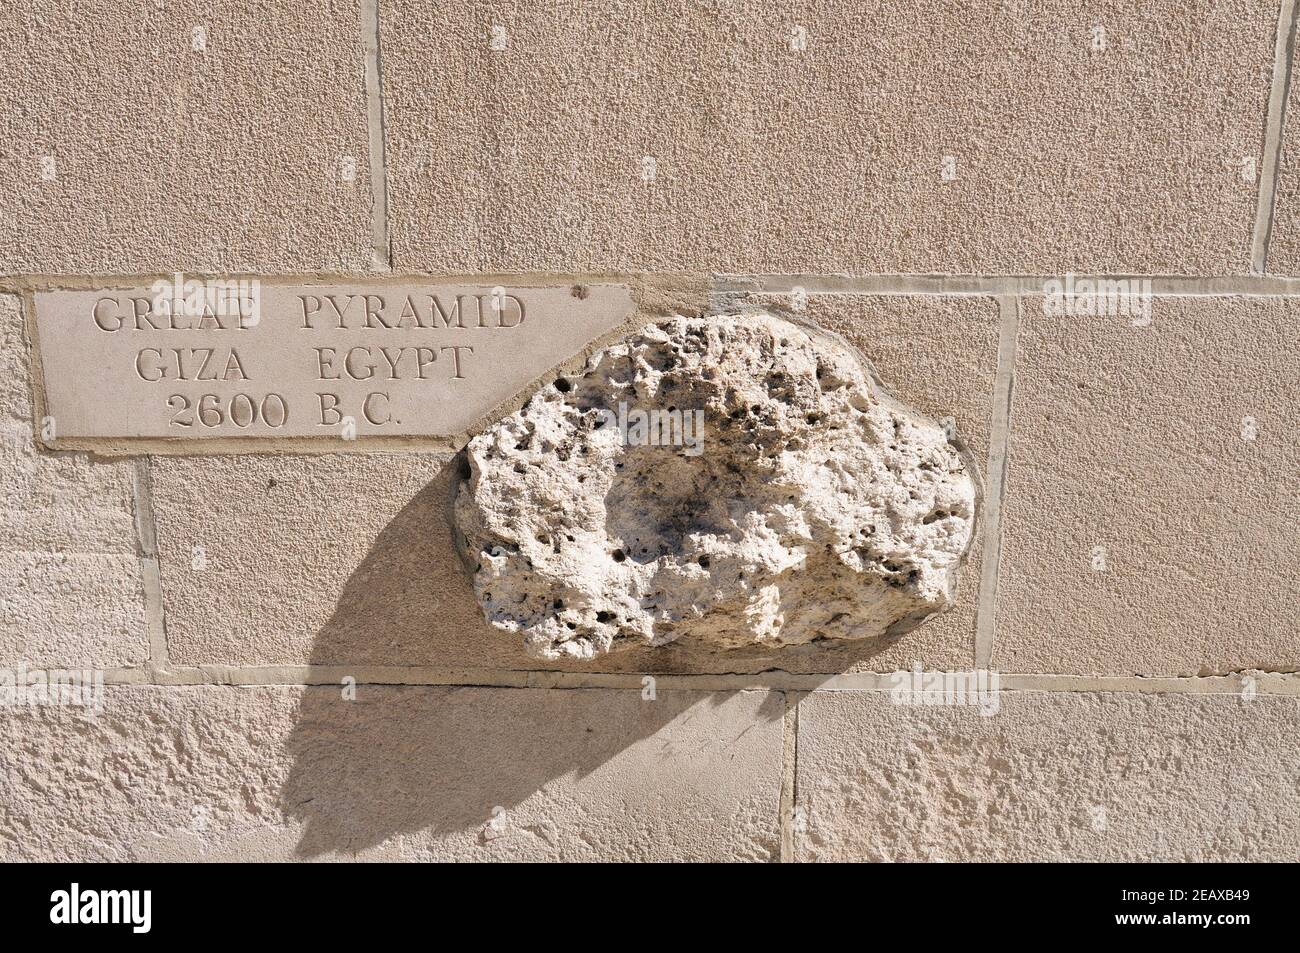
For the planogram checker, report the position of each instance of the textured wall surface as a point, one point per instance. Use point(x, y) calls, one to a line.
point(294, 665)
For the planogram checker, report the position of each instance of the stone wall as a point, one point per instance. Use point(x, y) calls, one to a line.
point(293, 660)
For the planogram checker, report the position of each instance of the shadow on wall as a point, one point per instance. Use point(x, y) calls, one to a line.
point(444, 761)
point(409, 602)
point(439, 760)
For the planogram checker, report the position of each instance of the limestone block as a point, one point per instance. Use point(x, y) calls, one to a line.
point(1050, 777)
point(395, 773)
point(915, 136)
point(1149, 512)
point(328, 559)
point(203, 135)
point(71, 609)
point(734, 480)
point(939, 354)
point(71, 590)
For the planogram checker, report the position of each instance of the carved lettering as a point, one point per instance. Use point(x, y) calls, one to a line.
point(104, 321)
point(189, 364)
point(355, 359)
point(373, 414)
point(329, 405)
point(440, 312)
point(455, 350)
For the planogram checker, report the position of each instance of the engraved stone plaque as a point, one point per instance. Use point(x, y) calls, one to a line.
point(185, 359)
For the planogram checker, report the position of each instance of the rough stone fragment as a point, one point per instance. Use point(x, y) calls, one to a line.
point(733, 479)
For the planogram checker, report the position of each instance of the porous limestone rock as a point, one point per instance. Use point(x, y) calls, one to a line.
point(733, 480)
